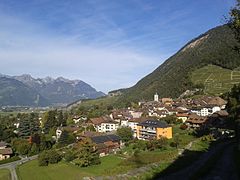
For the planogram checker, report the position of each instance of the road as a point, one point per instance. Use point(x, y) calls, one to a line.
point(12, 166)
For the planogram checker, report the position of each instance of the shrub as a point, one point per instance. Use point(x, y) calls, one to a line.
point(53, 157)
point(125, 133)
point(69, 156)
point(43, 159)
point(50, 156)
point(183, 127)
point(140, 145)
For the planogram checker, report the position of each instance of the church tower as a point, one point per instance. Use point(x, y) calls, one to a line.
point(156, 97)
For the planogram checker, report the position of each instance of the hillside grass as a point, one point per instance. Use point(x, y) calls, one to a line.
point(66, 171)
point(5, 174)
point(96, 107)
point(124, 162)
point(216, 80)
point(103, 101)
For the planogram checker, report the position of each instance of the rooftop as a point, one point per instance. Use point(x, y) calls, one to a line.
point(154, 123)
point(6, 151)
point(105, 138)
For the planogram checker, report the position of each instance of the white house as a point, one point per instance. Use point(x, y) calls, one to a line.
point(201, 111)
point(107, 126)
point(124, 122)
point(58, 133)
point(205, 111)
point(136, 114)
point(104, 124)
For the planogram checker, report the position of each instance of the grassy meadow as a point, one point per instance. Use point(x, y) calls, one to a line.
point(66, 171)
point(121, 163)
point(5, 174)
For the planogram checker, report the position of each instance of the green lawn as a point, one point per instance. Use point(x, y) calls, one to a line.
point(200, 145)
point(65, 171)
point(184, 137)
point(216, 80)
point(5, 174)
point(112, 164)
point(108, 164)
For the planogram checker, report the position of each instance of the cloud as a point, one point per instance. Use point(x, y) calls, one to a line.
point(29, 49)
point(109, 44)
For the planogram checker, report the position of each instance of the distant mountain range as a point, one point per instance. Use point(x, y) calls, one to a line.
point(209, 62)
point(25, 90)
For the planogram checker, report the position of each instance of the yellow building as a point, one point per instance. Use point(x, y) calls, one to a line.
point(153, 129)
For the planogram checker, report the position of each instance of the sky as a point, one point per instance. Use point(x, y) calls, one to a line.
point(109, 44)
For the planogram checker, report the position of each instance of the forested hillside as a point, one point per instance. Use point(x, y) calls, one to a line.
point(173, 77)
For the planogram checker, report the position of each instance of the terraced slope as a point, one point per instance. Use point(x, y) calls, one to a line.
point(216, 80)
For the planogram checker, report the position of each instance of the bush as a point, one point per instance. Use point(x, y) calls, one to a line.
point(50, 156)
point(66, 138)
point(21, 146)
point(140, 145)
point(69, 156)
point(34, 149)
point(207, 138)
point(43, 159)
point(183, 127)
point(156, 144)
point(53, 157)
point(86, 153)
point(125, 133)
point(174, 144)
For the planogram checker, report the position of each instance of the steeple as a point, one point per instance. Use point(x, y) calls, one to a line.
point(156, 97)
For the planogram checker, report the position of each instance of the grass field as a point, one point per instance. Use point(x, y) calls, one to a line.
point(113, 164)
point(5, 174)
point(216, 80)
point(99, 101)
point(66, 171)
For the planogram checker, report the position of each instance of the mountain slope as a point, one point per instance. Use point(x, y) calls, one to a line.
point(62, 91)
point(15, 93)
point(51, 91)
point(173, 77)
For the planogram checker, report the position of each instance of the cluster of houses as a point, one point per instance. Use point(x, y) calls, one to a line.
point(193, 112)
point(146, 121)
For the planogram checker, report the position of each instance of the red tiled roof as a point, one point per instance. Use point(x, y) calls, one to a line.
point(141, 119)
point(194, 118)
point(182, 115)
point(100, 120)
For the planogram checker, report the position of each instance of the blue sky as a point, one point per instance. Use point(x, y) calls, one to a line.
point(109, 44)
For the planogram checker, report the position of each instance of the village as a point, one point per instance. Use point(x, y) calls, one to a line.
point(147, 122)
point(141, 135)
